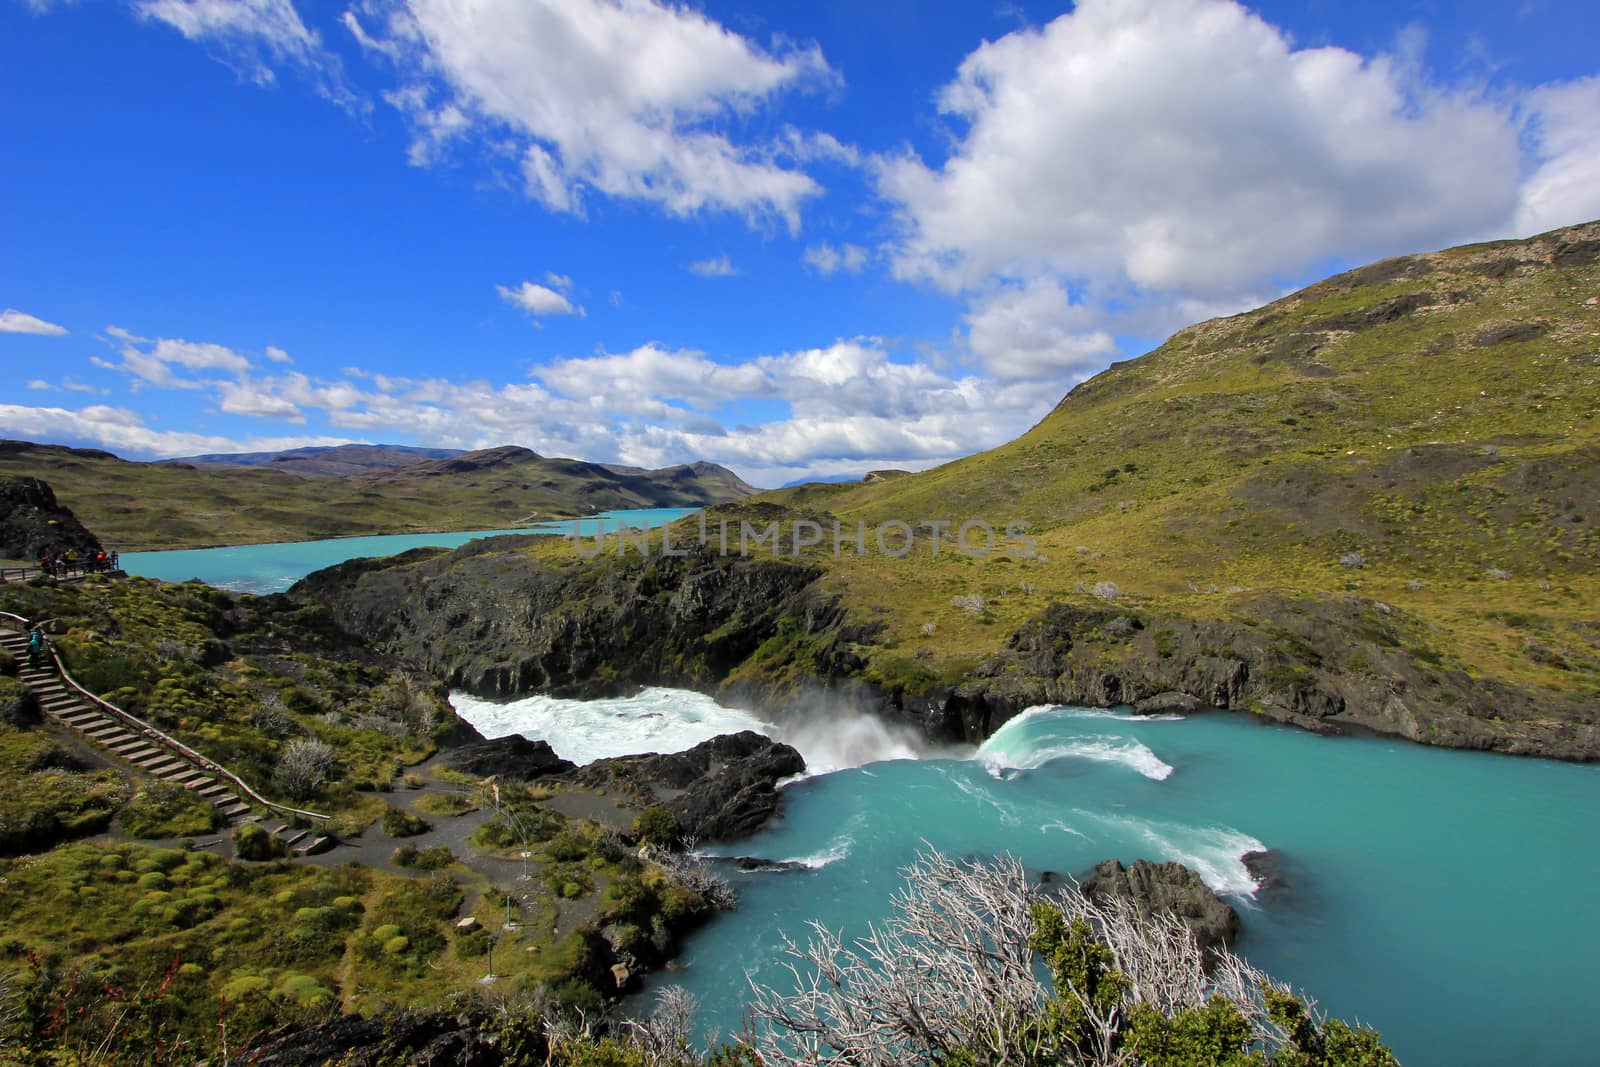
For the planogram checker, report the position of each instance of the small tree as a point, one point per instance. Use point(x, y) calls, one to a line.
point(953, 977)
point(304, 766)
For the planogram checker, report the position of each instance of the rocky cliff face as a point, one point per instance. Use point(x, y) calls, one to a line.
point(31, 522)
point(490, 619)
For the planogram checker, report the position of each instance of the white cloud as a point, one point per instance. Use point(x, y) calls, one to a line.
point(825, 259)
point(152, 360)
point(719, 267)
point(255, 37)
point(1565, 187)
point(125, 432)
point(1186, 146)
point(632, 99)
point(539, 300)
point(259, 401)
point(1035, 331)
point(14, 321)
point(39, 383)
point(278, 355)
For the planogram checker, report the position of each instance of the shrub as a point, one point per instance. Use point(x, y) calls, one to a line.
point(304, 766)
point(252, 842)
point(162, 809)
point(657, 826)
point(397, 823)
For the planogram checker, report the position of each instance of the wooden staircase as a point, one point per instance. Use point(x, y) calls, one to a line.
point(146, 749)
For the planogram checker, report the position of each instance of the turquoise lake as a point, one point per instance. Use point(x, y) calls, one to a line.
point(1446, 898)
point(272, 568)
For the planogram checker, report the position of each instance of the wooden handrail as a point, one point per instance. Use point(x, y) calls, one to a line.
point(172, 742)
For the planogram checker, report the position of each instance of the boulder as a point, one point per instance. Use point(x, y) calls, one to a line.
point(1166, 703)
point(719, 790)
point(513, 757)
point(1169, 887)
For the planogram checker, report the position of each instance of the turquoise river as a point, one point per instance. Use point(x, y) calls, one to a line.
point(1446, 898)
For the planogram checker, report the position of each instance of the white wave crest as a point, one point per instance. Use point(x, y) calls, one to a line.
point(1124, 751)
point(1118, 715)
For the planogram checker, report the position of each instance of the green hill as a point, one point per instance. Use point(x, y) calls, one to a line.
point(1371, 503)
point(135, 505)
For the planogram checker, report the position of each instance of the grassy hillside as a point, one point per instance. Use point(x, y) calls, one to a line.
point(175, 505)
point(1421, 431)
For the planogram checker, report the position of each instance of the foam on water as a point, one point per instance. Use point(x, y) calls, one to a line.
point(669, 720)
point(1041, 735)
point(653, 720)
point(1127, 752)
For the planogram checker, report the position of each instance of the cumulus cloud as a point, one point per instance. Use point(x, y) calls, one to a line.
point(541, 300)
point(1035, 331)
point(153, 361)
point(1564, 122)
point(14, 321)
point(1187, 146)
point(717, 267)
point(825, 259)
point(631, 99)
point(278, 355)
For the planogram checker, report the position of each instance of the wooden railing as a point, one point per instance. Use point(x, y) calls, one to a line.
point(208, 765)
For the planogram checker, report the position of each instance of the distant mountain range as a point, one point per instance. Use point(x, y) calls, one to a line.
point(336, 460)
point(303, 494)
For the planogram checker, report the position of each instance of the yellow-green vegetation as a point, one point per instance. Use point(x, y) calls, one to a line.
point(161, 809)
point(1422, 431)
point(48, 794)
point(245, 681)
point(166, 505)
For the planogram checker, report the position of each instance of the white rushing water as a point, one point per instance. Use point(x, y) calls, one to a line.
point(670, 720)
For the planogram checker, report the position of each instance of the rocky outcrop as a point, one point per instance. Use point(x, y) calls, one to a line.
point(33, 522)
point(514, 757)
point(719, 790)
point(1334, 664)
point(1168, 887)
point(483, 619)
point(762, 632)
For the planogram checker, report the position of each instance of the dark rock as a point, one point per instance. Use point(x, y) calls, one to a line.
point(1266, 869)
point(1169, 887)
point(1165, 703)
point(32, 522)
point(434, 1039)
point(720, 789)
point(513, 756)
point(1510, 333)
point(756, 863)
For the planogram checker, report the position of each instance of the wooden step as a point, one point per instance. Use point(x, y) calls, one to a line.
point(299, 836)
point(213, 791)
point(235, 811)
point(139, 753)
point(162, 765)
point(177, 777)
point(316, 845)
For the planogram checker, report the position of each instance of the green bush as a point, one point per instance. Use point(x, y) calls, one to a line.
point(657, 826)
point(161, 809)
point(397, 823)
point(252, 842)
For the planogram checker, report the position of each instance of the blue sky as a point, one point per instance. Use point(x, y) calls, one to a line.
point(795, 239)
